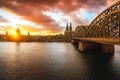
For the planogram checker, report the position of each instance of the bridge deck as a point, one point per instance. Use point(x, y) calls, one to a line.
point(101, 40)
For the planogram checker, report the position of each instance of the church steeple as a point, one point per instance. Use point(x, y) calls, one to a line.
point(70, 28)
point(6, 33)
point(67, 27)
point(68, 32)
point(28, 34)
point(18, 31)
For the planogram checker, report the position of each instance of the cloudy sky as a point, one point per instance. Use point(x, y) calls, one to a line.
point(48, 16)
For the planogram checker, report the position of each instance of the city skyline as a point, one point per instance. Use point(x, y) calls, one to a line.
point(59, 39)
point(48, 17)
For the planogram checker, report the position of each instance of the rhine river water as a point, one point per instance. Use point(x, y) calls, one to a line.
point(55, 61)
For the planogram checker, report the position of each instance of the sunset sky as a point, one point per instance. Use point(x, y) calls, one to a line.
point(46, 17)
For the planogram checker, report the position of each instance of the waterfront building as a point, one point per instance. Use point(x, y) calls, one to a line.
point(68, 32)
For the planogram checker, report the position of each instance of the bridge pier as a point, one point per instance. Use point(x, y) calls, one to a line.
point(92, 46)
point(72, 41)
point(107, 48)
point(87, 46)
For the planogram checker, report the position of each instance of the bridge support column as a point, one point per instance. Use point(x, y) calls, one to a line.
point(91, 46)
point(107, 48)
point(74, 42)
point(87, 46)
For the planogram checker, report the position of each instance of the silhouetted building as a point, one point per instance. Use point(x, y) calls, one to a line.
point(70, 28)
point(67, 29)
point(18, 36)
point(28, 37)
point(68, 32)
point(18, 32)
point(6, 35)
point(28, 34)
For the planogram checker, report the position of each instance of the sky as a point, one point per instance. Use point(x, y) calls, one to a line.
point(48, 17)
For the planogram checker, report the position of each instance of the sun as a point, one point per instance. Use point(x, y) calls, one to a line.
point(15, 35)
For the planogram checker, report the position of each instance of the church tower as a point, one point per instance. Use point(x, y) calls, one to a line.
point(28, 37)
point(68, 32)
point(67, 29)
point(18, 31)
point(28, 34)
point(7, 35)
point(70, 28)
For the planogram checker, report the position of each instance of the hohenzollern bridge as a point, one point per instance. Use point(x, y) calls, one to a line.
point(102, 33)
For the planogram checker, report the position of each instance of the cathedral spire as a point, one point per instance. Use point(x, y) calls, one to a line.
point(70, 28)
point(28, 34)
point(18, 31)
point(67, 27)
point(6, 33)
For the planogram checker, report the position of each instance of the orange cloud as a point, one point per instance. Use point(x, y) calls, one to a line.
point(33, 10)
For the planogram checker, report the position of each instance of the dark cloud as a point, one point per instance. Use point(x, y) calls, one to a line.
point(33, 9)
point(67, 5)
point(44, 2)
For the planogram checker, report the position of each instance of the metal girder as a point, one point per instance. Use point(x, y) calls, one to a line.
point(81, 31)
point(107, 23)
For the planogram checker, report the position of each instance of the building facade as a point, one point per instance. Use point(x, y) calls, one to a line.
point(68, 32)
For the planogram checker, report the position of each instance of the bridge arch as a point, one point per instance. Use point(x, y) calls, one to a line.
point(81, 31)
point(107, 23)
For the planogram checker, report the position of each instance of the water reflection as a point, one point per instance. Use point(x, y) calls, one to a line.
point(55, 61)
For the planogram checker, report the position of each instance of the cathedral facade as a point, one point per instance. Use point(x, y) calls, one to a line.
point(68, 32)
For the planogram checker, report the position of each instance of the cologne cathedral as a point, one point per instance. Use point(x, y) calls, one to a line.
point(68, 32)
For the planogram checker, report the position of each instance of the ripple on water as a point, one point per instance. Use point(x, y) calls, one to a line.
point(55, 61)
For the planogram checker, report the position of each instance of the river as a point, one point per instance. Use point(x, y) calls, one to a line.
point(56, 61)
